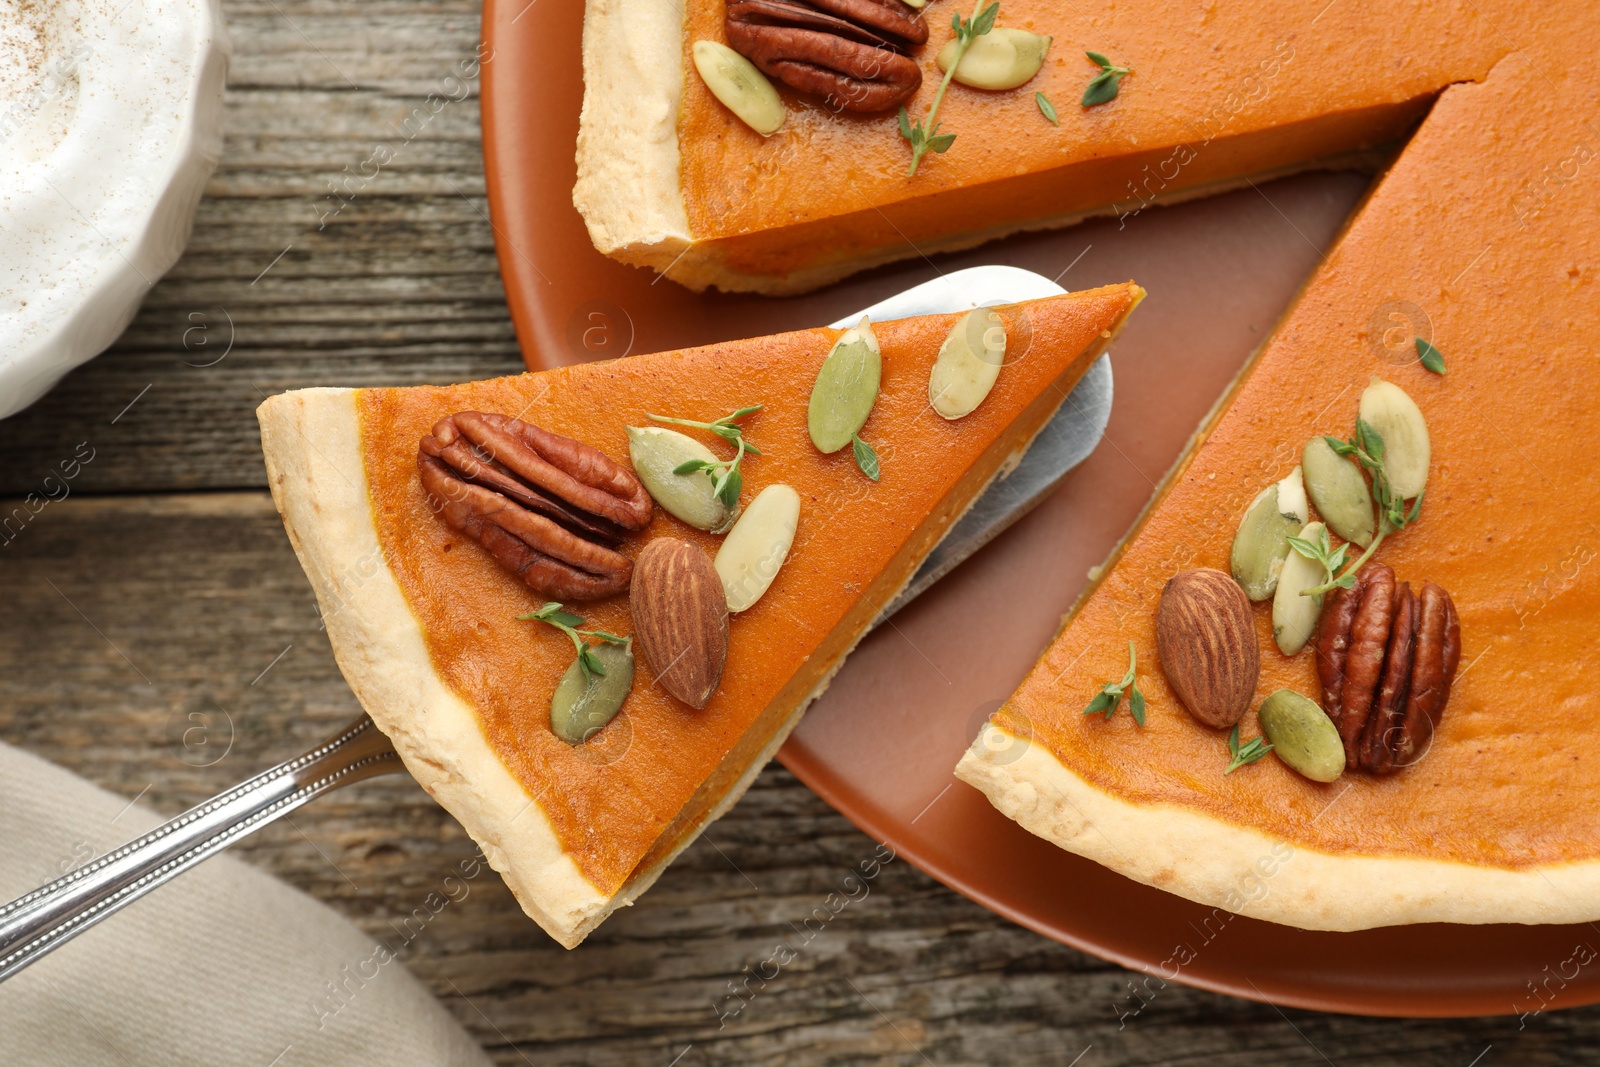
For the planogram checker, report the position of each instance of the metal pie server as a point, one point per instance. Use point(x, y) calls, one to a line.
point(38, 922)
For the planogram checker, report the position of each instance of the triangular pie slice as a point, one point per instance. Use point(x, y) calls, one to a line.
point(424, 622)
point(1483, 240)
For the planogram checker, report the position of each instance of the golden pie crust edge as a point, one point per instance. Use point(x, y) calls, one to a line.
point(312, 442)
point(1242, 870)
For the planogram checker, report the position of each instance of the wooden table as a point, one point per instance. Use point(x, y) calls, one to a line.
point(160, 597)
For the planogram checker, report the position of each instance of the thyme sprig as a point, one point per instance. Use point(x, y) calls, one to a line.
point(726, 479)
point(1110, 694)
point(1105, 86)
point(924, 135)
point(1243, 755)
point(568, 624)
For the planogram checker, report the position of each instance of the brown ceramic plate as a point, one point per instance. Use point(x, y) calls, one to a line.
point(880, 746)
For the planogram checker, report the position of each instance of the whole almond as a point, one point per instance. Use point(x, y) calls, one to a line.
point(680, 618)
point(1207, 642)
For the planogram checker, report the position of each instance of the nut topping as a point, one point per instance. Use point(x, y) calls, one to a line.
point(549, 509)
point(850, 52)
point(1386, 658)
point(680, 618)
point(1207, 643)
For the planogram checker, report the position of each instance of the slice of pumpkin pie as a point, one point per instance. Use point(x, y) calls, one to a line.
point(588, 604)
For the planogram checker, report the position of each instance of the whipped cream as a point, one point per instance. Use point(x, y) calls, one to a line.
point(110, 117)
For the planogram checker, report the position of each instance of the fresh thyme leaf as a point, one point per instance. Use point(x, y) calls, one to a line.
point(1342, 448)
point(1105, 86)
point(1105, 700)
point(866, 458)
point(1242, 755)
point(1110, 694)
point(923, 135)
point(1432, 358)
point(1102, 90)
point(1416, 508)
point(726, 479)
point(732, 483)
point(590, 663)
point(1046, 108)
point(1369, 440)
point(984, 22)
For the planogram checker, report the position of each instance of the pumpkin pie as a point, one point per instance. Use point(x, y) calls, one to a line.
point(424, 621)
point(1483, 240)
point(1220, 94)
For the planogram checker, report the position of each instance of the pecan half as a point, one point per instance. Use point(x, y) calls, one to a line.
point(549, 509)
point(849, 52)
point(1386, 658)
point(1438, 656)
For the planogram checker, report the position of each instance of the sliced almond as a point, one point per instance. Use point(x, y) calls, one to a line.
point(1294, 616)
point(1003, 58)
point(740, 86)
point(1406, 450)
point(968, 363)
point(757, 545)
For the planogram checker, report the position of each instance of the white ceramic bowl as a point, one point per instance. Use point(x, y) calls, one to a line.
point(110, 124)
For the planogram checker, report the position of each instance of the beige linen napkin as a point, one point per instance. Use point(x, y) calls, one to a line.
point(225, 966)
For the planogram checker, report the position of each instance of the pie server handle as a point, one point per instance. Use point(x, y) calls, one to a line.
point(38, 922)
point(46, 918)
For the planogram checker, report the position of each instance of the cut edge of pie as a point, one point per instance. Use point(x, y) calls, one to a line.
point(312, 440)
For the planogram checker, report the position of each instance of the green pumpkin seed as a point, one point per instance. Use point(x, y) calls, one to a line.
point(582, 704)
point(1294, 617)
point(1339, 492)
point(1302, 735)
point(1261, 546)
point(657, 452)
point(1406, 449)
point(845, 390)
